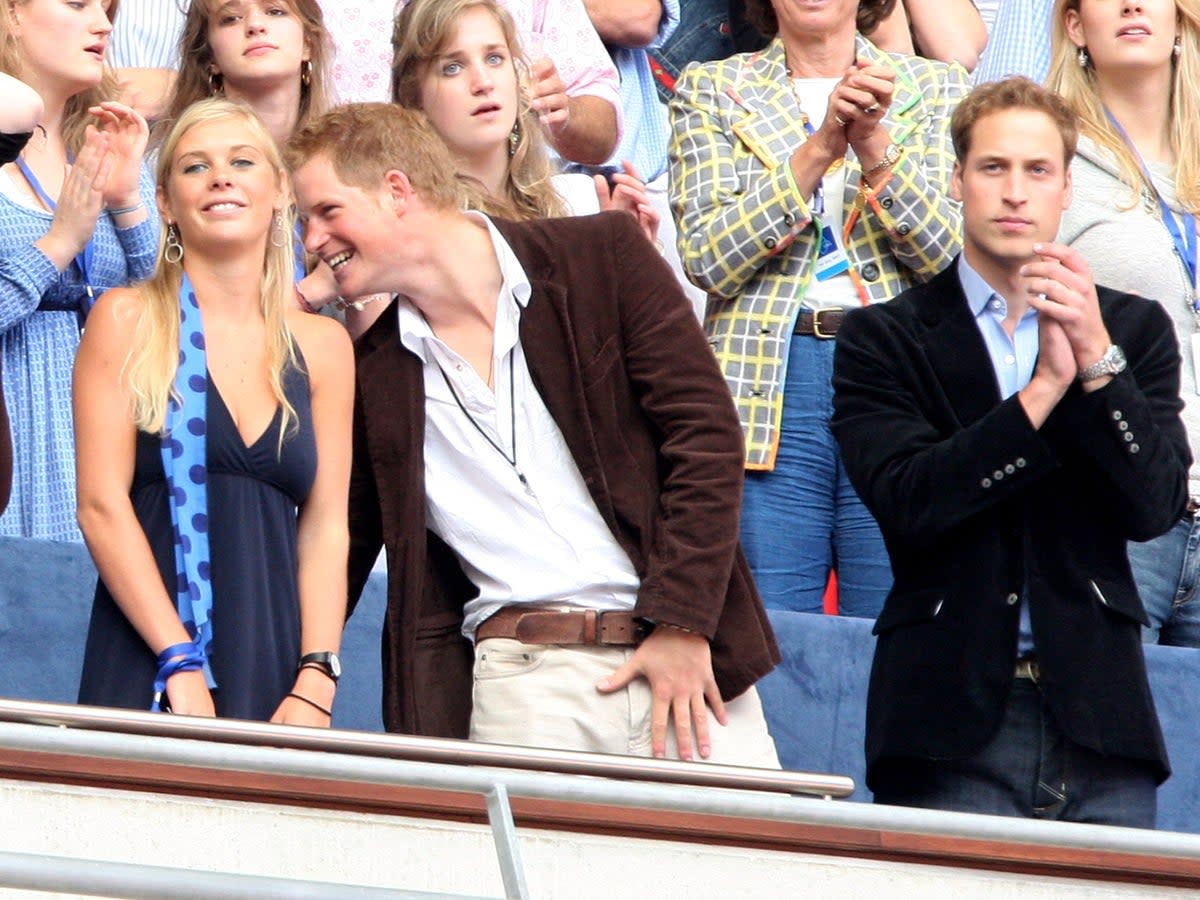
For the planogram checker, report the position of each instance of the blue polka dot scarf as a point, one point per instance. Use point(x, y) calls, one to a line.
point(185, 462)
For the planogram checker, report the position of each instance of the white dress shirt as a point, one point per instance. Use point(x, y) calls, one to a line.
point(538, 542)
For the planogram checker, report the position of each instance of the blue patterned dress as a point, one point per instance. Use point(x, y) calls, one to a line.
point(38, 351)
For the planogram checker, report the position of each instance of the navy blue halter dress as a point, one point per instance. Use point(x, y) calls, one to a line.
point(253, 495)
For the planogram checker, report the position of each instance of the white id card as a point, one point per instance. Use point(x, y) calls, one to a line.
point(832, 260)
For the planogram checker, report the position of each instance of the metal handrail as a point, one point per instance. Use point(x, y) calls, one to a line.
point(420, 749)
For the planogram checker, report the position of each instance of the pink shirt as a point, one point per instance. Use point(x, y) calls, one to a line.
point(361, 31)
point(561, 30)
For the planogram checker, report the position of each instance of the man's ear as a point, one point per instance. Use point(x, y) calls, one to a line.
point(956, 182)
point(398, 189)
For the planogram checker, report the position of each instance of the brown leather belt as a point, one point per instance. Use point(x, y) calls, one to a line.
point(616, 628)
point(822, 323)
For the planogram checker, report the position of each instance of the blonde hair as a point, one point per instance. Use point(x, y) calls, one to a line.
point(1077, 84)
point(194, 81)
point(152, 364)
point(76, 117)
point(422, 32)
point(364, 141)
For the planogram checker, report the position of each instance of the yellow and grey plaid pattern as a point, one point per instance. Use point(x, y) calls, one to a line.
point(744, 228)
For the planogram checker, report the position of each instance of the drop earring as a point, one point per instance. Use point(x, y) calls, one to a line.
point(1082, 57)
point(173, 252)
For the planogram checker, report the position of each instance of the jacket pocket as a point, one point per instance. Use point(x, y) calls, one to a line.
point(1119, 596)
point(909, 609)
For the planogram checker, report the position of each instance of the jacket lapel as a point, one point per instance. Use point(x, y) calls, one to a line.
point(955, 348)
point(771, 127)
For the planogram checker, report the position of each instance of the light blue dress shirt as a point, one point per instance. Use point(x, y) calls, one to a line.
point(1013, 358)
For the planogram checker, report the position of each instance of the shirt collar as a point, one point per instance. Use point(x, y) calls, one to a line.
point(415, 330)
point(978, 291)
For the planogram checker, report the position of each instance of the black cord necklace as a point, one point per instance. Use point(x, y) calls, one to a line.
point(512, 409)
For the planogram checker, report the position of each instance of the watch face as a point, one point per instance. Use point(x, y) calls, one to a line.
point(335, 665)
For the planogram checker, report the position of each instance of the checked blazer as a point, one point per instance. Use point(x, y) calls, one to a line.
point(745, 230)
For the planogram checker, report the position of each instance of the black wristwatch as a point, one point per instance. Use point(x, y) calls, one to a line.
point(326, 660)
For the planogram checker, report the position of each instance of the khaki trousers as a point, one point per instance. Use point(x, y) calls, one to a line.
point(539, 695)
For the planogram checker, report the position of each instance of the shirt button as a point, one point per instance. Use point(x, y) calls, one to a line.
point(1020, 462)
point(870, 272)
point(998, 475)
point(1128, 437)
point(1123, 426)
point(1011, 599)
point(886, 202)
point(1116, 415)
point(1009, 469)
point(789, 219)
point(1134, 448)
point(1010, 359)
point(987, 482)
point(996, 304)
point(770, 243)
point(903, 228)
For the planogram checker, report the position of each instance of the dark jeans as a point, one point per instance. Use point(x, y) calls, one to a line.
point(1030, 769)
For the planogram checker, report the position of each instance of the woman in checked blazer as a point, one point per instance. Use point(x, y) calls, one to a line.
point(806, 179)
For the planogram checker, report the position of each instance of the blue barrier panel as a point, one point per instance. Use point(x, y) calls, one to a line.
point(814, 701)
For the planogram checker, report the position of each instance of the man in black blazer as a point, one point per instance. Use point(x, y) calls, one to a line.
point(1011, 426)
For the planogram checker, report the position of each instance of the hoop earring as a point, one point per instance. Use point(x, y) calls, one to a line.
point(306, 70)
point(279, 235)
point(173, 252)
point(514, 139)
point(216, 83)
point(1082, 57)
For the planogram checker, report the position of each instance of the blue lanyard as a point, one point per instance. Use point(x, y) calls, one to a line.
point(1183, 238)
point(84, 259)
point(818, 201)
point(298, 249)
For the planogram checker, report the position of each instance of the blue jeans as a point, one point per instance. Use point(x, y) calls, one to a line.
point(1166, 571)
point(1029, 769)
point(804, 518)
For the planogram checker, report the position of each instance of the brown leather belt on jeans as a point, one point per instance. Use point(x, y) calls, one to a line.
point(532, 625)
point(822, 323)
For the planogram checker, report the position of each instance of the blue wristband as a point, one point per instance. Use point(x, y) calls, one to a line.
point(176, 658)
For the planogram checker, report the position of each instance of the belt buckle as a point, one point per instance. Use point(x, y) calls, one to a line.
point(817, 332)
point(1028, 669)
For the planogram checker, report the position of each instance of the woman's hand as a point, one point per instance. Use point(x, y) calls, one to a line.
point(127, 134)
point(629, 194)
point(80, 200)
point(317, 690)
point(861, 99)
point(189, 695)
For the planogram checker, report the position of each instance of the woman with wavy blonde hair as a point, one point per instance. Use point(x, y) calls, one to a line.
point(213, 429)
point(272, 54)
point(1131, 71)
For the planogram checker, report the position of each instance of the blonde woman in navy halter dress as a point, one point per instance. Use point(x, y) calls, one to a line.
point(213, 438)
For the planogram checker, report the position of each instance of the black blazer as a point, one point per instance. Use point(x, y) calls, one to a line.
point(977, 507)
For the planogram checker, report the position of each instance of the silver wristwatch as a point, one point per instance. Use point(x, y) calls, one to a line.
point(1112, 362)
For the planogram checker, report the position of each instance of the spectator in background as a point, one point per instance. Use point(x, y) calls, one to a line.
point(214, 451)
point(630, 28)
point(1132, 73)
point(808, 179)
point(73, 222)
point(145, 52)
point(708, 30)
point(574, 86)
point(1017, 42)
point(271, 54)
point(20, 110)
point(949, 30)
